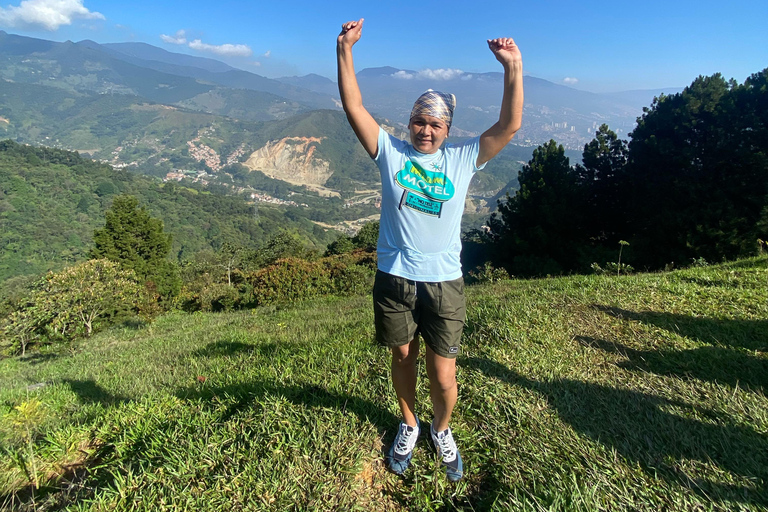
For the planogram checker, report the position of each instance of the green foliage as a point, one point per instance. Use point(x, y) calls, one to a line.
point(692, 183)
point(209, 285)
point(602, 178)
point(538, 229)
point(293, 279)
point(288, 280)
point(487, 273)
point(214, 281)
point(50, 212)
point(133, 238)
point(351, 273)
point(341, 245)
point(368, 236)
point(280, 246)
point(204, 294)
point(698, 172)
point(72, 303)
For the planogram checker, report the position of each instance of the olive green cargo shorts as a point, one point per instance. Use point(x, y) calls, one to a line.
point(403, 308)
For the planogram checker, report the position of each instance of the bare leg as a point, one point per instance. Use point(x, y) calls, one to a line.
point(404, 378)
point(442, 388)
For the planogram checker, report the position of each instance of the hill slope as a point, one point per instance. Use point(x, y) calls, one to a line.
point(643, 392)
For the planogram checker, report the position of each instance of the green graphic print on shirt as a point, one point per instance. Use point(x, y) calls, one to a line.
point(425, 191)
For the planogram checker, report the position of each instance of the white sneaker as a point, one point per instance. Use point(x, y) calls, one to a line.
point(449, 453)
point(399, 455)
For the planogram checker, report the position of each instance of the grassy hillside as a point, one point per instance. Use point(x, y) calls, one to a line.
point(644, 392)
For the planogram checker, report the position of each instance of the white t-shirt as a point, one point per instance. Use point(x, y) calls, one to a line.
point(422, 200)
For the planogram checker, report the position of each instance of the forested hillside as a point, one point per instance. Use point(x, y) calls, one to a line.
point(51, 201)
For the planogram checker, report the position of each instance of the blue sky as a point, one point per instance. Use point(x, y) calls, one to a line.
point(591, 45)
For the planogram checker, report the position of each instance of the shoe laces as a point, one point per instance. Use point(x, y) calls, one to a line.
point(446, 446)
point(406, 439)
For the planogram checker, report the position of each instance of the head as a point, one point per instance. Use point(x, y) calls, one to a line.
point(430, 120)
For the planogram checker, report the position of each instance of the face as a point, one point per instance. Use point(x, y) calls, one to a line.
point(427, 133)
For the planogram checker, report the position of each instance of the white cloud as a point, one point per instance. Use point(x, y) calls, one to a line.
point(267, 54)
point(432, 74)
point(570, 80)
point(440, 74)
point(227, 50)
point(179, 38)
point(47, 14)
point(403, 75)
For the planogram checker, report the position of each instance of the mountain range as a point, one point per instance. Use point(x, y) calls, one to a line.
point(137, 106)
point(551, 110)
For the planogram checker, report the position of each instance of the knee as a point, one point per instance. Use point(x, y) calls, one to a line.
point(405, 355)
point(443, 381)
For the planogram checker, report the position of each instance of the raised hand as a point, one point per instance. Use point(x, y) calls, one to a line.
point(505, 50)
point(350, 32)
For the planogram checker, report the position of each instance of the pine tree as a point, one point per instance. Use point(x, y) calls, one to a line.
point(134, 239)
point(539, 230)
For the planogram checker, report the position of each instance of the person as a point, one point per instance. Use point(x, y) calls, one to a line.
point(418, 288)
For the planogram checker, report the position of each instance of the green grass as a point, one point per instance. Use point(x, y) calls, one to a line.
point(644, 392)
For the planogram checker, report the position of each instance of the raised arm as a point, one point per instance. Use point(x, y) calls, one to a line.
point(511, 116)
point(365, 127)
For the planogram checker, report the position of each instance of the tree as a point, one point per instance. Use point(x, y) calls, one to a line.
point(72, 303)
point(698, 172)
point(133, 238)
point(341, 245)
point(282, 245)
point(538, 231)
point(78, 296)
point(600, 177)
point(368, 236)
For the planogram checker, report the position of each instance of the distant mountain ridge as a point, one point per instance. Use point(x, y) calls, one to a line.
point(556, 111)
point(134, 104)
point(568, 115)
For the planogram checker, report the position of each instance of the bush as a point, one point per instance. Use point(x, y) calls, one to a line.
point(367, 237)
point(209, 296)
point(74, 302)
point(352, 273)
point(341, 245)
point(288, 280)
point(487, 273)
point(611, 267)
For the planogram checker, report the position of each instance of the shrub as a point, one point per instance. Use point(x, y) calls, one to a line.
point(209, 296)
point(487, 273)
point(341, 245)
point(352, 273)
point(74, 302)
point(612, 267)
point(699, 262)
point(367, 237)
point(290, 279)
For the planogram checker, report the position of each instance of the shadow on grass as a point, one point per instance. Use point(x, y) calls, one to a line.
point(714, 364)
point(38, 358)
point(241, 398)
point(88, 392)
point(223, 348)
point(227, 348)
point(655, 432)
point(748, 334)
